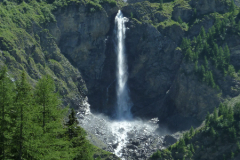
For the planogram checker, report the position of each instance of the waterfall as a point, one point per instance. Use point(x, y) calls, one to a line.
point(123, 110)
point(119, 134)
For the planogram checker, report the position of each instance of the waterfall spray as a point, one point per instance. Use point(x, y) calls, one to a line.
point(123, 100)
point(125, 130)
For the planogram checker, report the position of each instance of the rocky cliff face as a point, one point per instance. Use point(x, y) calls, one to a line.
point(162, 83)
point(83, 37)
point(76, 48)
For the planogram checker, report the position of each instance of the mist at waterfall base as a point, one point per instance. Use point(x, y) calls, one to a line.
point(117, 134)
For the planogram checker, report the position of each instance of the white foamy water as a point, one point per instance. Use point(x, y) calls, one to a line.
point(124, 132)
point(127, 130)
point(123, 109)
point(117, 135)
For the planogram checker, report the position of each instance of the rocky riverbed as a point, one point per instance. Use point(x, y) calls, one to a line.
point(136, 139)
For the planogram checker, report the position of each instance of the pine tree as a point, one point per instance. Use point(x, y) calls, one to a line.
point(23, 106)
point(180, 20)
point(161, 5)
point(218, 25)
point(203, 33)
point(232, 20)
point(203, 72)
point(211, 80)
point(196, 66)
point(215, 114)
point(194, 40)
point(191, 148)
point(7, 95)
point(230, 115)
point(231, 71)
point(186, 43)
point(237, 111)
point(232, 7)
point(199, 39)
point(190, 154)
point(212, 132)
point(77, 137)
point(220, 110)
point(51, 121)
point(195, 13)
point(189, 54)
point(227, 54)
point(192, 131)
point(232, 155)
point(181, 145)
point(207, 118)
point(206, 62)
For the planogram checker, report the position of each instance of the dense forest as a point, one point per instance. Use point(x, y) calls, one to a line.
point(204, 47)
point(221, 129)
point(34, 125)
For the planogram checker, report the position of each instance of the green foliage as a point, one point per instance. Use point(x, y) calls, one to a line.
point(7, 122)
point(231, 71)
point(232, 6)
point(32, 123)
point(156, 155)
point(204, 47)
point(180, 20)
point(191, 132)
point(221, 128)
point(161, 5)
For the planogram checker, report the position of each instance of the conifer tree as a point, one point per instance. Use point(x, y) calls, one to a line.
point(208, 118)
point(77, 136)
point(231, 70)
point(191, 148)
point(220, 109)
point(203, 72)
point(51, 120)
point(227, 54)
point(211, 80)
point(212, 132)
point(232, 7)
point(196, 66)
point(206, 62)
point(203, 33)
point(215, 114)
point(7, 95)
point(180, 20)
point(161, 5)
point(23, 105)
point(232, 20)
point(199, 39)
point(194, 40)
point(237, 111)
point(189, 54)
point(192, 131)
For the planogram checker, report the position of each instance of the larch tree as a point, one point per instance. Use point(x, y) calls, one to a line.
point(6, 112)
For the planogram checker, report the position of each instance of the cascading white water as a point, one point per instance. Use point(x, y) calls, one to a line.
point(123, 100)
point(118, 134)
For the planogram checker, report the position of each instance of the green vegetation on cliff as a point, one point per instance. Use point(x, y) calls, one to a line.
point(209, 50)
point(217, 139)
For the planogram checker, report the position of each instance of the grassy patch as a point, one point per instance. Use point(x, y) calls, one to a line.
point(182, 4)
point(167, 8)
